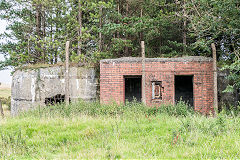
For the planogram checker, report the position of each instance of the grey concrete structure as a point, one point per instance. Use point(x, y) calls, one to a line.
point(31, 88)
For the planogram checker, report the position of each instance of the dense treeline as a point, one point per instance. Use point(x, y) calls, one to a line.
point(38, 30)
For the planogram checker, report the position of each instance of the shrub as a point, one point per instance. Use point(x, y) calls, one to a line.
point(180, 109)
point(231, 110)
point(6, 101)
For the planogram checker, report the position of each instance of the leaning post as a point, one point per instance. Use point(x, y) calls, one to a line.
point(215, 101)
point(143, 73)
point(67, 74)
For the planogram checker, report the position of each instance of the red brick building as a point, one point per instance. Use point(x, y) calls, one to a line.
point(167, 81)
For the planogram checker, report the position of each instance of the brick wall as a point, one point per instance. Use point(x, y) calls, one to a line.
point(112, 72)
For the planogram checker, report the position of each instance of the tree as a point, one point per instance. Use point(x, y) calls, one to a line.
point(97, 29)
point(154, 21)
point(217, 22)
point(39, 29)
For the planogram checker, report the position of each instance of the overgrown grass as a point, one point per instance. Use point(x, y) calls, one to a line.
point(91, 130)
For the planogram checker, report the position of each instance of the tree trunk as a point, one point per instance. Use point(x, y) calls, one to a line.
point(126, 37)
point(118, 34)
point(100, 25)
point(29, 48)
point(44, 35)
point(79, 51)
point(38, 20)
point(51, 49)
point(141, 33)
point(38, 31)
point(58, 15)
point(237, 100)
point(184, 27)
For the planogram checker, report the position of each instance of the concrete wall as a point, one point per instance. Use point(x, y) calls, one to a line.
point(31, 87)
point(112, 85)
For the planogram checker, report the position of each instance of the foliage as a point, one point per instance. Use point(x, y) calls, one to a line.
point(231, 110)
point(154, 22)
point(6, 101)
point(217, 22)
point(38, 30)
point(234, 75)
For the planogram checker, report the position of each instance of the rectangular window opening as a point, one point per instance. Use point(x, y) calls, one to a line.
point(157, 90)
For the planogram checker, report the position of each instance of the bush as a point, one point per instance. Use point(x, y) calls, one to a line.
point(6, 101)
point(231, 110)
point(180, 109)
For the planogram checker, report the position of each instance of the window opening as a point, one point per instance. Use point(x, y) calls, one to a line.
point(55, 99)
point(157, 90)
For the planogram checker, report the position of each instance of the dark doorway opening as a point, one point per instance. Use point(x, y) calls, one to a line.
point(57, 99)
point(184, 89)
point(133, 88)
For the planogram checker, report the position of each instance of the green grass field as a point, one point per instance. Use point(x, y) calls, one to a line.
point(85, 130)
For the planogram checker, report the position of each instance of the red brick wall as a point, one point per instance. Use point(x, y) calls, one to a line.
point(112, 80)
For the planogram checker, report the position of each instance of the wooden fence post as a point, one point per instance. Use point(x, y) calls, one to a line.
point(67, 74)
point(143, 73)
point(215, 101)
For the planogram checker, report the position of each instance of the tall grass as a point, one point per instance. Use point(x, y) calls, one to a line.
point(91, 130)
point(109, 110)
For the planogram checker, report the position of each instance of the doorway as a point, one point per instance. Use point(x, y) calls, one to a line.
point(133, 88)
point(184, 89)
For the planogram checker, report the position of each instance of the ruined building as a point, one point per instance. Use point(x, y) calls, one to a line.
point(167, 81)
point(46, 86)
